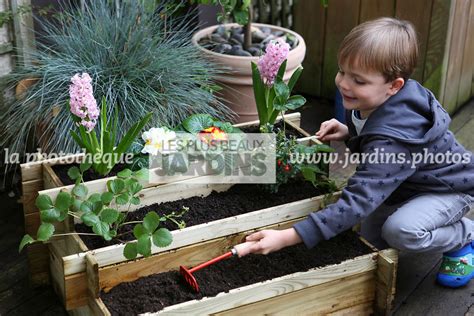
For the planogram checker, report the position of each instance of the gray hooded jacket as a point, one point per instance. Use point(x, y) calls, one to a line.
point(417, 154)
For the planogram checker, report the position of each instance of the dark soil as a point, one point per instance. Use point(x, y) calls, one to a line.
point(239, 199)
point(89, 175)
point(153, 293)
point(289, 130)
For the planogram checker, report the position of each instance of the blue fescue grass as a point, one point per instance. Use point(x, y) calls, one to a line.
point(139, 62)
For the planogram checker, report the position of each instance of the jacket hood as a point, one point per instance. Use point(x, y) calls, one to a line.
point(413, 116)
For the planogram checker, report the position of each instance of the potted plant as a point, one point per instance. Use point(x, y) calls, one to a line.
point(238, 44)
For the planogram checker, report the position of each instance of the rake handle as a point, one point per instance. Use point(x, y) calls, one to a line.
point(212, 261)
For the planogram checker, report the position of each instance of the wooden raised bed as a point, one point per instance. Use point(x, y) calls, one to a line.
point(68, 254)
point(37, 176)
point(363, 285)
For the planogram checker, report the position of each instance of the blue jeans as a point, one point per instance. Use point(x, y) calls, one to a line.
point(425, 223)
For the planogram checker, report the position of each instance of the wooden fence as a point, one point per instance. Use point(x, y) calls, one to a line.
point(446, 39)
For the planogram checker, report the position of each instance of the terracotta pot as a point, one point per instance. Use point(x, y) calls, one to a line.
point(237, 92)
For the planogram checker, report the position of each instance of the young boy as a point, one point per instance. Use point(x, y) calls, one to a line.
point(415, 196)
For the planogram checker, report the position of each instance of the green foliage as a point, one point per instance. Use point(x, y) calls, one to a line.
point(105, 213)
point(139, 62)
point(6, 16)
point(193, 124)
point(101, 148)
point(289, 164)
point(198, 122)
point(238, 9)
point(275, 99)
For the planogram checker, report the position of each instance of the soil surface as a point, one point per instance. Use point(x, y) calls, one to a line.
point(89, 175)
point(153, 293)
point(239, 199)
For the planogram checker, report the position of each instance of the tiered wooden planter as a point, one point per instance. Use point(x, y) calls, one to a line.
point(68, 255)
point(38, 175)
point(360, 286)
point(78, 274)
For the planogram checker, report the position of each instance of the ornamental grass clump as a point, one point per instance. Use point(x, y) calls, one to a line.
point(137, 60)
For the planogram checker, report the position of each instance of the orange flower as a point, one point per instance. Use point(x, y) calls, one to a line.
point(212, 134)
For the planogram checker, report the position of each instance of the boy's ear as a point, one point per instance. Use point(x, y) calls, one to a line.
point(396, 85)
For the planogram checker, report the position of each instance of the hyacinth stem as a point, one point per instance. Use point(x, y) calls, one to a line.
point(269, 106)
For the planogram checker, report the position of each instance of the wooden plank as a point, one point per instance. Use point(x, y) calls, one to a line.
point(56, 252)
point(275, 287)
point(419, 13)
point(97, 307)
point(29, 194)
point(6, 48)
point(385, 285)
point(462, 117)
point(50, 179)
point(437, 50)
point(456, 48)
point(291, 117)
point(32, 223)
point(464, 135)
point(38, 264)
point(299, 129)
point(24, 32)
point(336, 29)
point(467, 68)
point(323, 299)
point(198, 233)
point(34, 170)
point(361, 309)
point(313, 31)
point(92, 272)
point(372, 9)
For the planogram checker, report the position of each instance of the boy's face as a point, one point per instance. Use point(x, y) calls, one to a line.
point(364, 90)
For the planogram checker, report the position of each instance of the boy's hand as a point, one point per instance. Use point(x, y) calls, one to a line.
point(332, 130)
point(266, 241)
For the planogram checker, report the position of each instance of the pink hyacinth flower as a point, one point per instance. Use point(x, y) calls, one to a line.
point(275, 54)
point(83, 103)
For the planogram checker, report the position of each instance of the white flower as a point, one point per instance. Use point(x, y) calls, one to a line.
point(157, 139)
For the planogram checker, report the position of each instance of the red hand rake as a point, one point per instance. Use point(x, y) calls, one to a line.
point(188, 274)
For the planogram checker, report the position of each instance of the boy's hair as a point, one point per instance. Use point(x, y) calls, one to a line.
point(387, 45)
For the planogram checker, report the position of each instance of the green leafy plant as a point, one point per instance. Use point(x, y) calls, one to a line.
point(99, 145)
point(139, 62)
point(6, 16)
point(103, 150)
point(274, 99)
point(290, 166)
point(104, 212)
point(193, 124)
point(199, 122)
point(242, 13)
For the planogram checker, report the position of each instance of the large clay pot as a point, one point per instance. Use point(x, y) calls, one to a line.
point(237, 92)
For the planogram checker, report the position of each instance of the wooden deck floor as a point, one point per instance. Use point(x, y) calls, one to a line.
point(417, 293)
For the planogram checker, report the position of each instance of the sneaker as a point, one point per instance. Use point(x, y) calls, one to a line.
point(457, 268)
